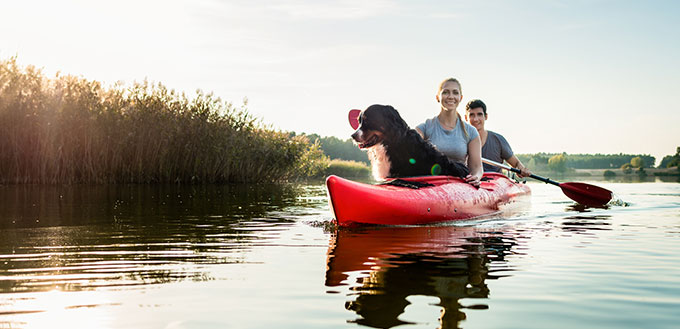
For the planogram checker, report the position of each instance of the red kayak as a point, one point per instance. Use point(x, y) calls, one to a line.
point(419, 200)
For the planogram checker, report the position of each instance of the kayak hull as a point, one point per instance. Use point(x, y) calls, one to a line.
point(444, 198)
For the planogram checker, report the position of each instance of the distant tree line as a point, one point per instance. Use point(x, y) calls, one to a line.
point(336, 148)
point(588, 161)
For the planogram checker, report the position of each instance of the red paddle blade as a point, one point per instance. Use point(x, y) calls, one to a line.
point(354, 118)
point(586, 194)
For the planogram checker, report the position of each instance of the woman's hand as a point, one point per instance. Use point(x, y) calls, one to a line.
point(474, 162)
point(473, 180)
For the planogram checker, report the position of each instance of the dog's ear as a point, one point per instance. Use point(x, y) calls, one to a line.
point(398, 125)
point(370, 118)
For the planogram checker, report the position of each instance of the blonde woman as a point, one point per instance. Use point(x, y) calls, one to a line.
point(451, 135)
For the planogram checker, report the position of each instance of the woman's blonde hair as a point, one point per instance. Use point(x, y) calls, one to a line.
point(460, 87)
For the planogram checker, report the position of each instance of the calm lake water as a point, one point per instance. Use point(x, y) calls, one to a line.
point(264, 257)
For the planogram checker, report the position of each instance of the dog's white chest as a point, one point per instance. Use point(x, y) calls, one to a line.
point(380, 162)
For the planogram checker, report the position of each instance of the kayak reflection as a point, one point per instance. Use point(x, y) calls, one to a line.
point(383, 266)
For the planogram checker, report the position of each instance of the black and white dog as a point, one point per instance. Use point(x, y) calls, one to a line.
point(395, 150)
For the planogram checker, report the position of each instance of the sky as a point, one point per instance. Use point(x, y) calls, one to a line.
point(575, 76)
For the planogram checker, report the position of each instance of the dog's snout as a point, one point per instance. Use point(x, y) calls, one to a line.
point(356, 135)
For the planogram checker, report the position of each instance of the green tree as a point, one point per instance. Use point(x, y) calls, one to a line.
point(675, 161)
point(665, 161)
point(637, 162)
point(558, 163)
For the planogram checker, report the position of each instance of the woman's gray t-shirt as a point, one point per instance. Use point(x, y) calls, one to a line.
point(453, 142)
point(496, 148)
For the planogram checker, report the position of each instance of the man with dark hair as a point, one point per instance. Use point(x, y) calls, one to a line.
point(494, 146)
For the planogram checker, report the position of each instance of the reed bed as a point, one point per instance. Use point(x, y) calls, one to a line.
point(71, 130)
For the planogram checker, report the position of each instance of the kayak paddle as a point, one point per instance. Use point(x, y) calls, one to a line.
point(585, 194)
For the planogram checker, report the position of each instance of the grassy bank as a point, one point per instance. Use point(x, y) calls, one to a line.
point(71, 130)
point(347, 169)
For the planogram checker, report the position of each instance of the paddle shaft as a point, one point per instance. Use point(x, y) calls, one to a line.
point(515, 170)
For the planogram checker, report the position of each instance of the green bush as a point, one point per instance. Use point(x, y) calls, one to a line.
point(627, 168)
point(609, 174)
point(558, 163)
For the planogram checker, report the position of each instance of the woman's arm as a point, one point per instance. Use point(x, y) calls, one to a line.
point(420, 133)
point(474, 162)
point(515, 163)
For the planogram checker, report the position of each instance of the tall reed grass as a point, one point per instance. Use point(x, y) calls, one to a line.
point(71, 130)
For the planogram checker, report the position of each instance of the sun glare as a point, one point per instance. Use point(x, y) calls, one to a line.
point(59, 309)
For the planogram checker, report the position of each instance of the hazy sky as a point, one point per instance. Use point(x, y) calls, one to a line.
point(575, 76)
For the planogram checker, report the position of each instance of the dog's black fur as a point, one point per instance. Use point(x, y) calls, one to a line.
point(396, 150)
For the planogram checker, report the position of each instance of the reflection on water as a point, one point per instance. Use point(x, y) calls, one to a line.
point(83, 237)
point(264, 257)
point(634, 178)
point(584, 224)
point(384, 266)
